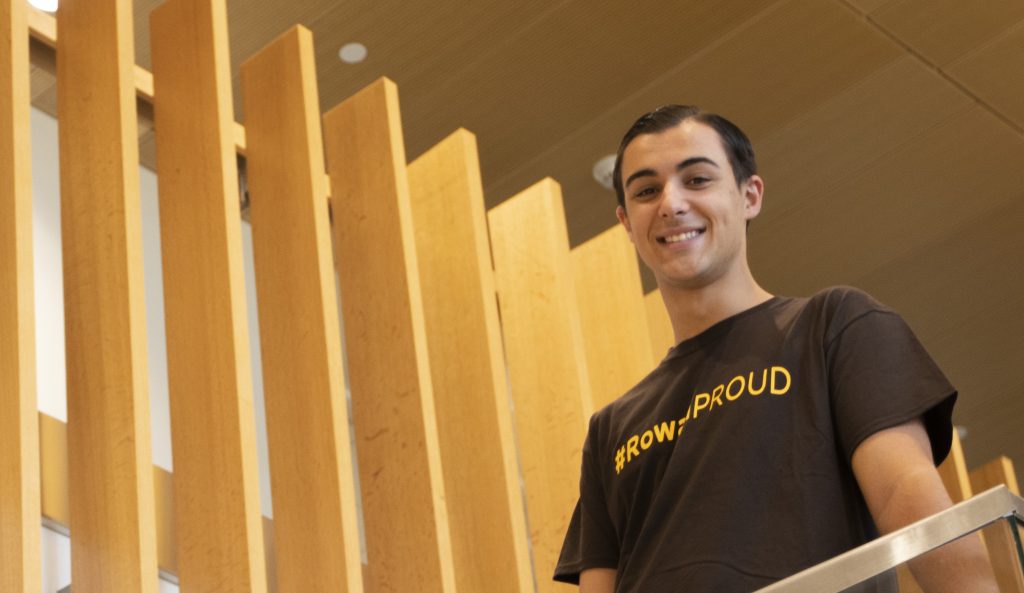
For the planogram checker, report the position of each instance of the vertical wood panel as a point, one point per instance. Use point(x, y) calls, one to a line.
point(19, 429)
point(53, 455)
point(1002, 549)
point(114, 545)
point(315, 524)
point(208, 364)
point(546, 367)
point(998, 471)
point(407, 537)
point(613, 315)
point(659, 324)
point(468, 370)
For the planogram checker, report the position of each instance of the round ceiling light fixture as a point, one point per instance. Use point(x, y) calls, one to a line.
point(352, 53)
point(603, 169)
point(47, 5)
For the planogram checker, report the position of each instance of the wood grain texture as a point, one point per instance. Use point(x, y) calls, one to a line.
point(112, 515)
point(613, 314)
point(546, 363)
point(994, 473)
point(468, 369)
point(407, 537)
point(316, 532)
point(208, 364)
point(53, 456)
point(999, 541)
point(659, 324)
point(19, 431)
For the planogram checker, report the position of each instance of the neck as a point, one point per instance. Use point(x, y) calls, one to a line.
point(693, 310)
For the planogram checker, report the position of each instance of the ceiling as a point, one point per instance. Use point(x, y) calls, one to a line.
point(890, 134)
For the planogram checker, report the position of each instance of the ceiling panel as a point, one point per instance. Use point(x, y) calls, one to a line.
point(762, 76)
point(995, 72)
point(866, 6)
point(943, 30)
point(901, 200)
point(532, 83)
point(807, 157)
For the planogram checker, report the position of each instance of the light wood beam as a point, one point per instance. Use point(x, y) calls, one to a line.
point(546, 363)
point(219, 536)
point(468, 369)
point(53, 455)
point(1002, 548)
point(19, 436)
point(43, 28)
point(315, 531)
point(114, 543)
point(998, 471)
point(613, 315)
point(407, 537)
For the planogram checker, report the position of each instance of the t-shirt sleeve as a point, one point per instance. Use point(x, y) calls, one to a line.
point(881, 376)
point(590, 541)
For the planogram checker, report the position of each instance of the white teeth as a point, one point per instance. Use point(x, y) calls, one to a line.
point(682, 236)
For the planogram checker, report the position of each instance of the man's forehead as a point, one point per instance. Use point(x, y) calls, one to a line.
point(686, 140)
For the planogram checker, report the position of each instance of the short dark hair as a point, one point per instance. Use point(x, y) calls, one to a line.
point(737, 146)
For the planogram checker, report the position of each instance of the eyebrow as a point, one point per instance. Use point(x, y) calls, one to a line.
point(686, 163)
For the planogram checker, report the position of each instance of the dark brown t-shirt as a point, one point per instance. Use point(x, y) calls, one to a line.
point(728, 467)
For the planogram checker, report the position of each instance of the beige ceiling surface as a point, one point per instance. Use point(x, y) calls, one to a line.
point(889, 133)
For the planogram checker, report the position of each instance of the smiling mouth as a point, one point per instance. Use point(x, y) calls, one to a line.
point(680, 237)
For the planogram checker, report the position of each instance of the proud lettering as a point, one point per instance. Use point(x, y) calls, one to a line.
point(776, 379)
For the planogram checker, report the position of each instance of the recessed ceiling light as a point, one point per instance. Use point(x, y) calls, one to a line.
point(603, 170)
point(352, 53)
point(47, 5)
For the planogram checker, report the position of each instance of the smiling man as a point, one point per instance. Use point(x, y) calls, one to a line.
point(778, 432)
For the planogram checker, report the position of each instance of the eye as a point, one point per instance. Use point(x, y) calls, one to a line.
point(645, 193)
point(698, 181)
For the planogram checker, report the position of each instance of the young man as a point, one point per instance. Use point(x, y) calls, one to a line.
point(778, 432)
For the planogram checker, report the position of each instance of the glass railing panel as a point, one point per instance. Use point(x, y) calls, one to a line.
point(974, 547)
point(983, 561)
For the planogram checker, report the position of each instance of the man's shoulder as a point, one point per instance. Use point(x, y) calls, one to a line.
point(845, 303)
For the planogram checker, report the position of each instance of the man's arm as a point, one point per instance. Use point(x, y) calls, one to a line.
point(597, 580)
point(895, 472)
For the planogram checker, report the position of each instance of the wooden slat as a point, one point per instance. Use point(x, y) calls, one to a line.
point(659, 324)
point(998, 471)
point(43, 28)
point(208, 363)
point(468, 370)
point(19, 437)
point(407, 537)
point(316, 532)
point(114, 547)
point(53, 456)
point(546, 362)
point(613, 316)
point(953, 472)
point(53, 461)
point(1002, 549)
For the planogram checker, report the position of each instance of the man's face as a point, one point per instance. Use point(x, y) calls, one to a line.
point(683, 209)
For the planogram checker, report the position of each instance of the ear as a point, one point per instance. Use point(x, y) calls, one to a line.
point(620, 213)
point(753, 196)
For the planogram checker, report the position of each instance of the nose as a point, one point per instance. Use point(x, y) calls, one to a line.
point(674, 201)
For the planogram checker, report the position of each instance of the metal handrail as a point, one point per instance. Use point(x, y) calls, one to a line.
point(886, 552)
